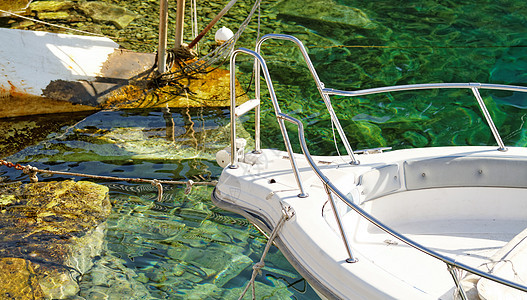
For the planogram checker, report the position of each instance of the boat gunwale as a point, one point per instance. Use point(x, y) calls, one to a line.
point(328, 185)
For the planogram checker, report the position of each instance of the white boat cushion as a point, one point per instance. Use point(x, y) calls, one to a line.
point(465, 171)
point(510, 262)
point(380, 181)
point(514, 253)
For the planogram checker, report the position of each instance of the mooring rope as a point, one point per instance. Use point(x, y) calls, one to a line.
point(32, 172)
point(287, 213)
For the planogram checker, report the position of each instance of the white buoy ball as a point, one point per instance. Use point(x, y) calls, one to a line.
point(222, 35)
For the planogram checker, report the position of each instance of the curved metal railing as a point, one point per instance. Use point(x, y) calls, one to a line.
point(330, 188)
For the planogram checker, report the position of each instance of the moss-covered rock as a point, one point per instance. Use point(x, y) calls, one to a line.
point(106, 12)
point(51, 231)
point(13, 5)
point(19, 279)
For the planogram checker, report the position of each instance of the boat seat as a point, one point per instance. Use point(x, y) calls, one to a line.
point(465, 171)
point(380, 181)
point(509, 262)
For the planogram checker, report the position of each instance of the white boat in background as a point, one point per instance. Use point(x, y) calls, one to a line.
point(426, 223)
point(74, 68)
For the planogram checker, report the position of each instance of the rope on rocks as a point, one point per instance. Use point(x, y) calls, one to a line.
point(217, 56)
point(32, 172)
point(287, 213)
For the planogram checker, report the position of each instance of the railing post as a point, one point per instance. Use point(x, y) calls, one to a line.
point(278, 113)
point(320, 87)
point(486, 113)
point(257, 111)
point(351, 258)
point(232, 80)
point(452, 271)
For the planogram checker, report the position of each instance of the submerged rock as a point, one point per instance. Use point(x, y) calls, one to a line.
point(110, 278)
point(41, 6)
point(329, 11)
point(105, 12)
point(19, 279)
point(51, 231)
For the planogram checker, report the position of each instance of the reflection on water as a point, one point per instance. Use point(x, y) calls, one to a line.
point(182, 246)
point(178, 246)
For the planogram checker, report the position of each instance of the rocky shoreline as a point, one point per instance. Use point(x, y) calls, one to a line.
point(51, 233)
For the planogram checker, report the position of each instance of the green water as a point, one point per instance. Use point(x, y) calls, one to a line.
point(182, 246)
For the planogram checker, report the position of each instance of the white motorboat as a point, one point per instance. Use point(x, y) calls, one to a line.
point(426, 223)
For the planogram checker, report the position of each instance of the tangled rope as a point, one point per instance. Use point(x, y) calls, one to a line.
point(32, 172)
point(219, 54)
point(287, 213)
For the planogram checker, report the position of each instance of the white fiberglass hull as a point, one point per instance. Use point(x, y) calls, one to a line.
point(463, 202)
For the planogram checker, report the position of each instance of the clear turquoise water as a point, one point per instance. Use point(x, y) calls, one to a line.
point(184, 247)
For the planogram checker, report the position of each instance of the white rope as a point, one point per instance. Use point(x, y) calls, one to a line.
point(286, 215)
point(335, 141)
point(50, 24)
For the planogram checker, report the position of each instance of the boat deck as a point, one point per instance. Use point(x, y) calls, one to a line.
point(454, 229)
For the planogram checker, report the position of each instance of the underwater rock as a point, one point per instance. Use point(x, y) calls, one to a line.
point(105, 12)
point(367, 134)
point(19, 279)
point(227, 261)
point(40, 6)
point(203, 291)
point(56, 227)
point(111, 279)
point(232, 269)
point(328, 11)
point(278, 290)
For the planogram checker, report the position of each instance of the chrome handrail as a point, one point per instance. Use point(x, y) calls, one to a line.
point(263, 65)
point(319, 84)
point(474, 87)
point(328, 185)
point(448, 261)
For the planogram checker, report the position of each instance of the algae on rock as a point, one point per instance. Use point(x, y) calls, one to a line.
point(51, 233)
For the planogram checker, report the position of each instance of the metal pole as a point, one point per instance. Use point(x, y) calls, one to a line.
point(351, 258)
point(487, 116)
point(163, 27)
point(460, 290)
point(180, 17)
